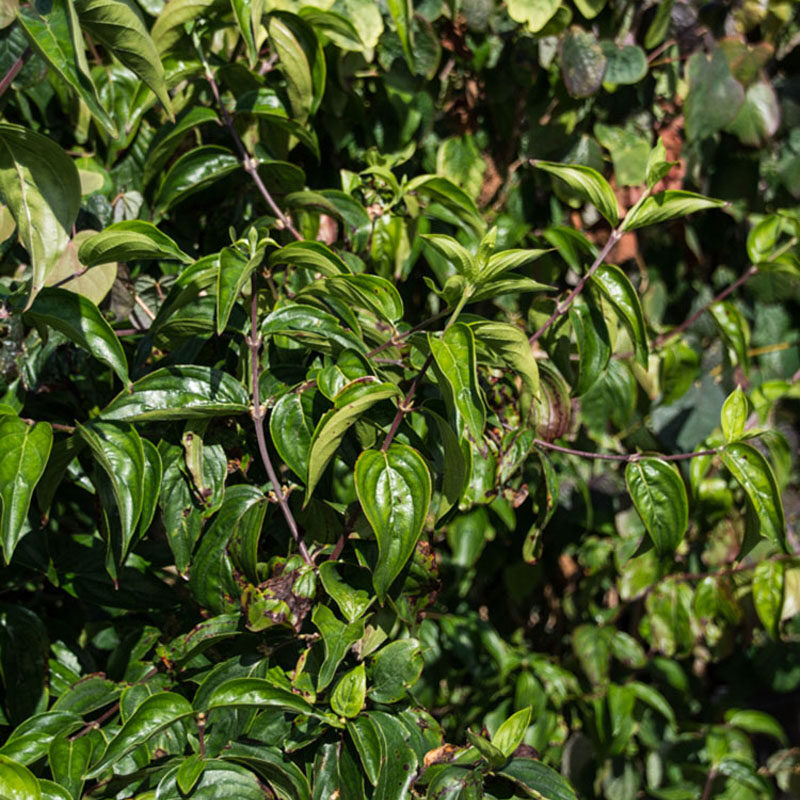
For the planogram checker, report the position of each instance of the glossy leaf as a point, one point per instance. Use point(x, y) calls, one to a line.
point(735, 411)
point(17, 782)
point(291, 428)
point(41, 188)
point(401, 12)
point(130, 240)
point(754, 474)
point(537, 778)
point(347, 698)
point(509, 735)
point(313, 256)
point(54, 30)
point(396, 667)
point(119, 28)
point(510, 344)
point(69, 761)
point(594, 347)
point(754, 721)
point(618, 290)
point(25, 450)
point(398, 761)
point(79, 319)
point(667, 205)
point(659, 495)
point(337, 638)
point(243, 692)
point(768, 592)
point(309, 325)
point(155, 714)
point(29, 741)
point(455, 254)
point(454, 356)
point(394, 490)
point(588, 183)
point(370, 292)
point(349, 405)
point(194, 171)
point(186, 392)
point(234, 272)
point(734, 329)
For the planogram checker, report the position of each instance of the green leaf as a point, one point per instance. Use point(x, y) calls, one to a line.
point(130, 240)
point(653, 698)
point(79, 319)
point(30, 740)
point(69, 761)
point(754, 474)
point(120, 29)
point(337, 638)
point(659, 495)
point(593, 341)
point(590, 8)
point(401, 12)
point(454, 253)
point(371, 292)
point(248, 17)
point(454, 355)
point(169, 27)
point(510, 344)
point(368, 745)
point(394, 490)
point(17, 782)
point(291, 428)
point(756, 722)
point(347, 698)
point(349, 405)
point(302, 61)
point(312, 327)
point(284, 777)
point(25, 450)
point(443, 191)
point(759, 117)
point(657, 165)
point(169, 136)
point(256, 692)
point(349, 586)
point(40, 186)
point(494, 756)
point(734, 330)
point(627, 650)
point(189, 772)
point(735, 411)
point(234, 272)
point(117, 448)
point(667, 205)
point(588, 183)
point(592, 646)
point(396, 667)
point(625, 65)
point(714, 97)
point(456, 783)
point(768, 591)
point(313, 256)
point(508, 737)
point(537, 779)
point(535, 14)
point(155, 714)
point(218, 779)
point(500, 263)
point(194, 171)
point(185, 392)
point(398, 761)
point(657, 31)
point(616, 287)
point(55, 33)
point(583, 63)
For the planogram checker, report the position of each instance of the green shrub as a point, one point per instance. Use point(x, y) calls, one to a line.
point(399, 400)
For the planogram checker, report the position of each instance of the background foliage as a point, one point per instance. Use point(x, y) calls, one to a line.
point(353, 445)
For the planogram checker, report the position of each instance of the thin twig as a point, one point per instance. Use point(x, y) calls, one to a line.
point(405, 406)
point(14, 69)
point(665, 337)
point(396, 340)
point(626, 457)
point(249, 163)
point(563, 307)
point(141, 303)
point(712, 774)
point(254, 343)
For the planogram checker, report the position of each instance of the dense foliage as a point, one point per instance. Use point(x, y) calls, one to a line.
point(399, 400)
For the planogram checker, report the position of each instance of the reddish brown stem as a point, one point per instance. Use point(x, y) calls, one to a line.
point(249, 163)
point(254, 343)
point(626, 457)
point(14, 69)
point(405, 406)
point(665, 337)
point(563, 307)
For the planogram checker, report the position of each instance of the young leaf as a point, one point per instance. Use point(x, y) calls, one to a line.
point(768, 591)
point(657, 165)
point(185, 392)
point(79, 319)
point(754, 474)
point(454, 355)
point(735, 410)
point(454, 253)
point(659, 495)
point(119, 28)
point(588, 183)
point(40, 186)
point(54, 31)
point(130, 240)
point(25, 450)
point(394, 490)
point(347, 698)
point(494, 756)
point(508, 736)
point(156, 713)
point(615, 286)
point(500, 263)
point(234, 272)
point(667, 205)
point(350, 404)
point(189, 772)
point(734, 330)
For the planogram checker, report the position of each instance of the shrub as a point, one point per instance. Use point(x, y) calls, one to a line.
point(380, 415)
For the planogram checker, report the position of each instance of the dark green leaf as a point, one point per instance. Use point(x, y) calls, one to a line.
point(337, 639)
point(347, 698)
point(768, 590)
point(130, 240)
point(394, 490)
point(537, 779)
point(258, 692)
point(396, 667)
point(193, 172)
